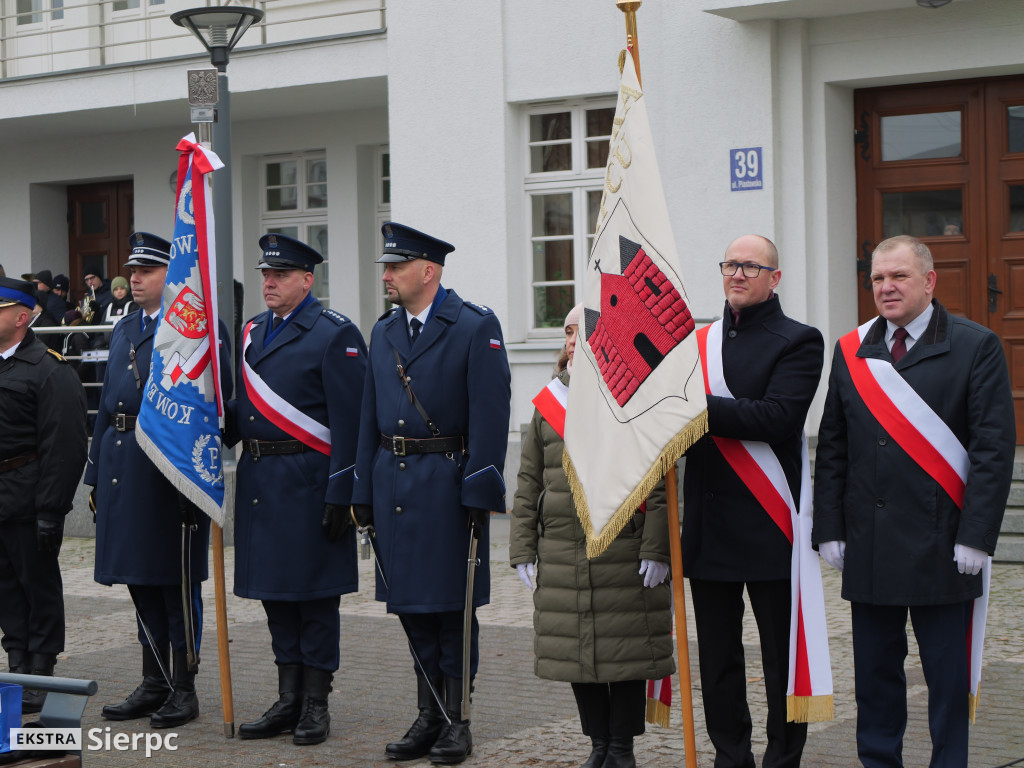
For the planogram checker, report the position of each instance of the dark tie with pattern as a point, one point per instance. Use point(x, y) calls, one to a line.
point(277, 323)
point(415, 324)
point(899, 344)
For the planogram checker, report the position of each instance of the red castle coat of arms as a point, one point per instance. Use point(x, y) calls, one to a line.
point(642, 319)
point(188, 314)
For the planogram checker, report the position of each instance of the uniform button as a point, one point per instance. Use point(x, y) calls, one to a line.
point(114, 481)
point(879, 503)
point(882, 441)
point(401, 465)
point(732, 333)
point(255, 502)
point(398, 510)
point(118, 443)
point(401, 422)
point(120, 405)
point(252, 418)
point(709, 495)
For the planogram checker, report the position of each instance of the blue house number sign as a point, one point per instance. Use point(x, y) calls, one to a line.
point(745, 169)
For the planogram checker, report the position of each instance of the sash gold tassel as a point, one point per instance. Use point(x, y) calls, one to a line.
point(809, 709)
point(657, 713)
point(972, 704)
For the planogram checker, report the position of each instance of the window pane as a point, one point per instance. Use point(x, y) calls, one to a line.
point(94, 218)
point(552, 215)
point(386, 192)
point(316, 196)
point(58, 9)
point(552, 260)
point(290, 231)
point(284, 172)
point(1015, 128)
point(27, 7)
point(124, 5)
point(317, 237)
point(550, 158)
point(555, 126)
point(1016, 223)
point(918, 137)
point(283, 199)
point(925, 213)
point(551, 304)
point(599, 122)
point(316, 171)
point(597, 153)
point(385, 165)
point(593, 211)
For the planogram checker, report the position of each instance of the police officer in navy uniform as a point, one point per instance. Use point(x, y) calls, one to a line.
point(42, 414)
point(294, 541)
point(431, 455)
point(139, 515)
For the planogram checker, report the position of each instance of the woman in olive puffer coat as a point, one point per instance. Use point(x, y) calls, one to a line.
point(605, 624)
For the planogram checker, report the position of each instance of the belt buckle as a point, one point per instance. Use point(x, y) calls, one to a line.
point(254, 448)
point(398, 445)
point(119, 422)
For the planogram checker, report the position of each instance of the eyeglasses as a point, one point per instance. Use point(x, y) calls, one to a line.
point(729, 268)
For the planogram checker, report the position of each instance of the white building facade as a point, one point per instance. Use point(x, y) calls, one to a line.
point(824, 125)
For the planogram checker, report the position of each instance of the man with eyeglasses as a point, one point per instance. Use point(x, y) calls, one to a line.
point(771, 365)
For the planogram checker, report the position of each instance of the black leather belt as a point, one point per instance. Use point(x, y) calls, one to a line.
point(17, 461)
point(403, 446)
point(122, 422)
point(273, 447)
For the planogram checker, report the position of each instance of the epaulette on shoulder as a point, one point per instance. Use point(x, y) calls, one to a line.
point(387, 313)
point(58, 355)
point(479, 308)
point(336, 317)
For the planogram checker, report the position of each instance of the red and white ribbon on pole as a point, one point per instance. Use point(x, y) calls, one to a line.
point(809, 692)
point(933, 446)
point(551, 402)
point(279, 411)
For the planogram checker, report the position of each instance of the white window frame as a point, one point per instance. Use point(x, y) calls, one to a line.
point(577, 181)
point(382, 214)
point(46, 17)
point(301, 217)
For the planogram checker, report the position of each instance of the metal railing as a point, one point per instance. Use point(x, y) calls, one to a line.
point(94, 356)
point(63, 35)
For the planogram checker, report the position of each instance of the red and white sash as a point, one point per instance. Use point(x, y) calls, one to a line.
point(809, 692)
point(927, 439)
point(279, 411)
point(551, 402)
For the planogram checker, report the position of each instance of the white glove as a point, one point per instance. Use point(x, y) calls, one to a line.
point(968, 560)
point(653, 572)
point(528, 575)
point(833, 553)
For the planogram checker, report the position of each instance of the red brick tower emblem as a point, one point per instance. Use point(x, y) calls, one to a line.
point(642, 319)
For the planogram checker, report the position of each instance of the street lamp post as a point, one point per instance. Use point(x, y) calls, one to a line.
point(219, 28)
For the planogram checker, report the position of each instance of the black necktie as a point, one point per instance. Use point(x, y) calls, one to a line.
point(276, 324)
point(899, 344)
point(146, 320)
point(415, 324)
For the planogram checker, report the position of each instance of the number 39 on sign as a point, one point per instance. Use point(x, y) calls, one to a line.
point(745, 169)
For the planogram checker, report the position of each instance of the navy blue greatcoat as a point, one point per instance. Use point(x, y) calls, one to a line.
point(138, 520)
point(316, 362)
point(459, 372)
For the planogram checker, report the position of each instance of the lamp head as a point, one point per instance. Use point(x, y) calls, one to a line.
point(218, 28)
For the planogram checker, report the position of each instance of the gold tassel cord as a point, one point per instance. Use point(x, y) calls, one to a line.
point(658, 713)
point(676, 447)
point(972, 704)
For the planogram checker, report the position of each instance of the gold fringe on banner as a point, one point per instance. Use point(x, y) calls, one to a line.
point(809, 709)
point(670, 454)
point(657, 713)
point(972, 704)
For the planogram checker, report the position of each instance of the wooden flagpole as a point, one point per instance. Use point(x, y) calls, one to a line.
point(630, 7)
point(223, 654)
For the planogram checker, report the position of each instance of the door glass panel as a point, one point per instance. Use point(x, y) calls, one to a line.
point(94, 217)
point(920, 137)
point(924, 213)
point(1016, 223)
point(1015, 128)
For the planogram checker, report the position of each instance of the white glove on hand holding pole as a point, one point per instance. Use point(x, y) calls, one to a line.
point(653, 572)
point(968, 560)
point(528, 575)
point(833, 553)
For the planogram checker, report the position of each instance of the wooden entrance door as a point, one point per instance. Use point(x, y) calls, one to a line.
point(945, 162)
point(100, 219)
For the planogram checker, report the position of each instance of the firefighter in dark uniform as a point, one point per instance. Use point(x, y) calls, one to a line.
point(300, 384)
point(431, 456)
point(139, 516)
point(42, 410)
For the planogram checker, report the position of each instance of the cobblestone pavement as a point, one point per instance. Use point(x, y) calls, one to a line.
point(518, 720)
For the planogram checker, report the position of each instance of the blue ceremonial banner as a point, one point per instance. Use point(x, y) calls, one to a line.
point(182, 410)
